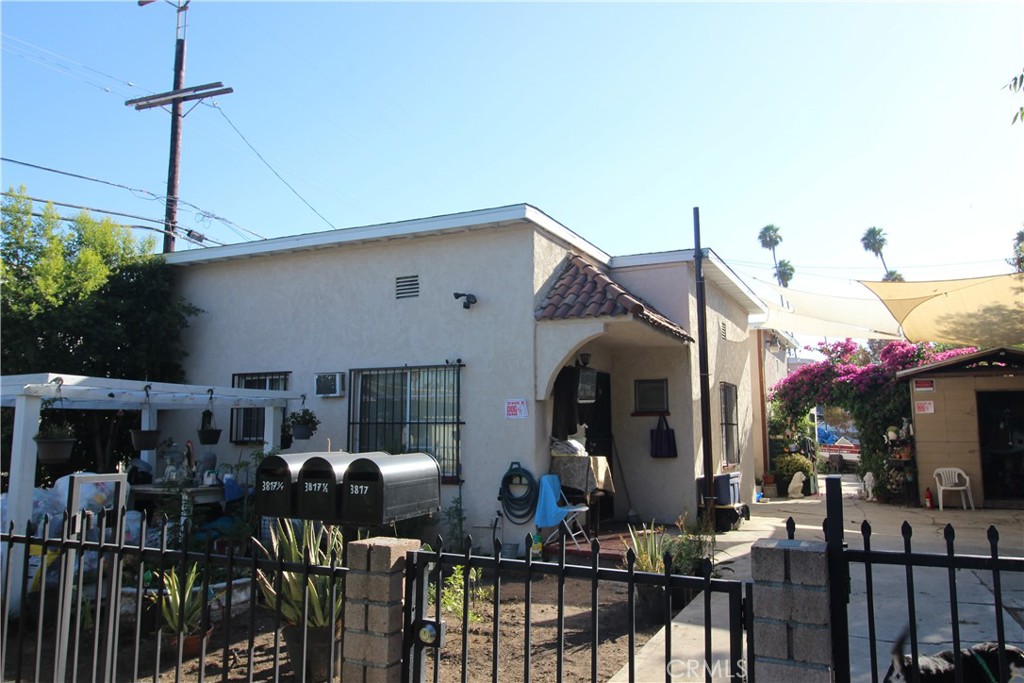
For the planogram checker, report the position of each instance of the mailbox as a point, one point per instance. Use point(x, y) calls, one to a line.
point(380, 488)
point(319, 486)
point(276, 478)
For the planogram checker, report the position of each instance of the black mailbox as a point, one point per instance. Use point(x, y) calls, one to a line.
point(380, 488)
point(276, 478)
point(319, 486)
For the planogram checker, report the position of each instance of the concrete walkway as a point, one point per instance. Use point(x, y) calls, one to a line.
point(931, 586)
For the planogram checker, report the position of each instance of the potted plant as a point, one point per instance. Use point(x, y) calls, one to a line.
point(648, 546)
point(181, 606)
point(54, 442)
point(686, 552)
point(317, 544)
point(303, 423)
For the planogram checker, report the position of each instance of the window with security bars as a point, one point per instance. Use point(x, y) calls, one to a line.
point(247, 423)
point(730, 425)
point(408, 410)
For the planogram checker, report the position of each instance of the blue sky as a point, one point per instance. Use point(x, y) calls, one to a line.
point(615, 119)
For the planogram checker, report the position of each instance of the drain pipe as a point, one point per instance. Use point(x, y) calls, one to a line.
point(705, 373)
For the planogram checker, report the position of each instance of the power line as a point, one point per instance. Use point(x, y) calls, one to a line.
point(193, 234)
point(9, 37)
point(133, 190)
point(187, 235)
point(202, 214)
point(267, 164)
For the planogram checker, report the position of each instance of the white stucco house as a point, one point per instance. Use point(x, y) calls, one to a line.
point(448, 335)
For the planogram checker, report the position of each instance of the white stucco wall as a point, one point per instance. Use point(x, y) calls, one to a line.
point(661, 489)
point(335, 310)
point(671, 288)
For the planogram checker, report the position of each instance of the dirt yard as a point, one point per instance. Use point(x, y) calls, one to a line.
point(613, 643)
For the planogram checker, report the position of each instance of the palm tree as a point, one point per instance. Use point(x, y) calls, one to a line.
point(784, 271)
point(892, 276)
point(874, 241)
point(770, 238)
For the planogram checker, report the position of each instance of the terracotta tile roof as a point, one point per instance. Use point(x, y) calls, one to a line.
point(583, 291)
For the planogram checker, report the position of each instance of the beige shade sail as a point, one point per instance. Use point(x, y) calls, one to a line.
point(981, 311)
point(827, 315)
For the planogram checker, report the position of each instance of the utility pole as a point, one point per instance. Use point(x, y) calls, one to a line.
point(175, 97)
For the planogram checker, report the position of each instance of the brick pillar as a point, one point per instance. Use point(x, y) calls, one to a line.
point(374, 590)
point(792, 633)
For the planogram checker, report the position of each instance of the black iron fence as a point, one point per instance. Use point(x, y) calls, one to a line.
point(90, 606)
point(481, 583)
point(994, 566)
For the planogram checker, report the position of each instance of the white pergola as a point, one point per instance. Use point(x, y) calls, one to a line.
point(26, 393)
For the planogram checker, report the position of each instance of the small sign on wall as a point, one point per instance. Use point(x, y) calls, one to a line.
point(924, 407)
point(924, 385)
point(516, 409)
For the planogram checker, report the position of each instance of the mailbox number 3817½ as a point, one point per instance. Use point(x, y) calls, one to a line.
point(358, 489)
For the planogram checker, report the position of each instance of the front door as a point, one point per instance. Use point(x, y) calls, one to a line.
point(1001, 439)
point(598, 418)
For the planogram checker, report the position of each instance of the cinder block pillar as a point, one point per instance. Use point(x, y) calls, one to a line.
point(792, 632)
point(374, 590)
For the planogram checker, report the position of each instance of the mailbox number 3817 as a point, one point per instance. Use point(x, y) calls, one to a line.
point(358, 489)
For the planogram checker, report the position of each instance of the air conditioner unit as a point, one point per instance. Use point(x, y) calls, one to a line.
point(329, 384)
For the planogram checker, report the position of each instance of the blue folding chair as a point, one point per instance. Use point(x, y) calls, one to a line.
point(553, 508)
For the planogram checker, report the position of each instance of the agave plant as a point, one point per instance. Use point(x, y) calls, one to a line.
point(316, 544)
point(648, 545)
point(175, 591)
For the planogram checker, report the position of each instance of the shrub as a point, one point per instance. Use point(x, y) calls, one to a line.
point(788, 465)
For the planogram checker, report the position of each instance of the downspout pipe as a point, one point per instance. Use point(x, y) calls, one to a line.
point(705, 373)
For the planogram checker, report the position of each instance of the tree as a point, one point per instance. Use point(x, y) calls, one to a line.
point(1017, 260)
point(784, 271)
point(769, 237)
point(874, 241)
point(893, 276)
point(863, 386)
point(86, 297)
point(1016, 84)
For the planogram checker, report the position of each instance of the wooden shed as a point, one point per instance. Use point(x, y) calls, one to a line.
point(968, 412)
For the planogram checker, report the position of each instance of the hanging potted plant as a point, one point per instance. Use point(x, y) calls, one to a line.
point(145, 439)
point(303, 423)
point(209, 435)
point(54, 443)
point(318, 544)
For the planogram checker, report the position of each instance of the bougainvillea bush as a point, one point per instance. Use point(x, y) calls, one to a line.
point(866, 388)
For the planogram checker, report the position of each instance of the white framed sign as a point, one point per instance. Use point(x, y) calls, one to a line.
point(516, 409)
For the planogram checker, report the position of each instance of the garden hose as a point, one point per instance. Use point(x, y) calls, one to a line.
point(518, 508)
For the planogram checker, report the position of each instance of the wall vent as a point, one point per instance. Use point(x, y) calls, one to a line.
point(407, 286)
point(721, 329)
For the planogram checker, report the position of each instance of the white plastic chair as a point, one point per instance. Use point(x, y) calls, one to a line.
point(551, 513)
point(949, 479)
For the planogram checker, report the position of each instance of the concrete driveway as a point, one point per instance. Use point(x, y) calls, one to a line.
point(975, 595)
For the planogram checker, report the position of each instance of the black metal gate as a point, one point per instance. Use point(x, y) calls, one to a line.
point(840, 557)
point(430, 575)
